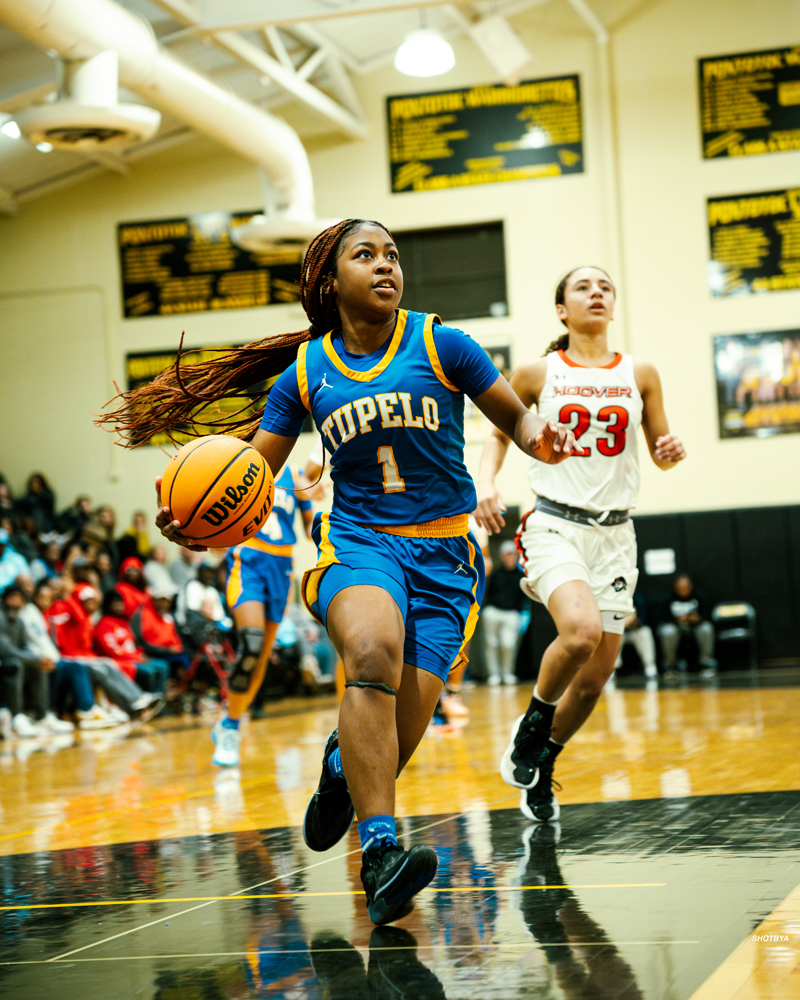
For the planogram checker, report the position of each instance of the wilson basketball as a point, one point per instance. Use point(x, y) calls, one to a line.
point(220, 489)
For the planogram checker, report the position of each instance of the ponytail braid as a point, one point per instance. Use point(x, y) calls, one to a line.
point(181, 397)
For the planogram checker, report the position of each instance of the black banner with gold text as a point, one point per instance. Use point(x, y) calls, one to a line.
point(175, 266)
point(485, 134)
point(755, 242)
point(750, 103)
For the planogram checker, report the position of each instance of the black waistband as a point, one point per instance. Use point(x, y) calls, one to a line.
point(579, 515)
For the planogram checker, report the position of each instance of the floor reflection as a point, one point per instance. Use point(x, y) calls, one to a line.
point(624, 900)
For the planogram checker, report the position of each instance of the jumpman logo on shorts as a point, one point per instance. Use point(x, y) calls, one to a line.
point(325, 384)
point(460, 569)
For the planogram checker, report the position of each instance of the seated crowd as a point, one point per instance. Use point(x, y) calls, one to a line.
point(87, 632)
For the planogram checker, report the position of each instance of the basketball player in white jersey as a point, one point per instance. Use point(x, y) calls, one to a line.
point(577, 546)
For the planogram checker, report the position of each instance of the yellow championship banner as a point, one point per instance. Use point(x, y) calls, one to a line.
point(175, 266)
point(750, 103)
point(755, 242)
point(485, 135)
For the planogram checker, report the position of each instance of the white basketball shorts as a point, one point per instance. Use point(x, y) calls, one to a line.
point(556, 551)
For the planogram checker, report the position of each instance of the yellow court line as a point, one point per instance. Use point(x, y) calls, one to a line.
point(344, 892)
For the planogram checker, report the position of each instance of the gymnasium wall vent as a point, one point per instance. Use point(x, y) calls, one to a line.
point(87, 116)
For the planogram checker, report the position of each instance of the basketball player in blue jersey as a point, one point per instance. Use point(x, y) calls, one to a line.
point(259, 578)
point(399, 579)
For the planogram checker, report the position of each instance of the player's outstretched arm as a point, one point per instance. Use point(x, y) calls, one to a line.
point(507, 406)
point(666, 449)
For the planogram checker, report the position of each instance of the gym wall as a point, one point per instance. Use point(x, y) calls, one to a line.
point(63, 340)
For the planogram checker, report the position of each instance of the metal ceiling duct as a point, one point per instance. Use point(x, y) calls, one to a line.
point(78, 30)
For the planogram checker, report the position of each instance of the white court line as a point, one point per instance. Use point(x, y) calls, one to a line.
point(499, 946)
point(252, 888)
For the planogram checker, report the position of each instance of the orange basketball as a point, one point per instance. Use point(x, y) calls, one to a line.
point(220, 489)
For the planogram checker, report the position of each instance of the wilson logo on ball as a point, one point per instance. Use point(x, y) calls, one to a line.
point(234, 495)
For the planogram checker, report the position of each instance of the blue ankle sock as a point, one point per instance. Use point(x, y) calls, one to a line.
point(228, 723)
point(335, 769)
point(375, 829)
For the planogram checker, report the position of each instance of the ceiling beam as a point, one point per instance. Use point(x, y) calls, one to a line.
point(288, 79)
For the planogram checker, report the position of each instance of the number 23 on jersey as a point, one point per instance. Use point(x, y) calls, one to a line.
point(615, 416)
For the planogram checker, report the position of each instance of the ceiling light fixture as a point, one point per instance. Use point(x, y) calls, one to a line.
point(424, 53)
point(11, 129)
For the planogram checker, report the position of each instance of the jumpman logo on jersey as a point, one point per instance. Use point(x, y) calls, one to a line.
point(460, 569)
point(325, 384)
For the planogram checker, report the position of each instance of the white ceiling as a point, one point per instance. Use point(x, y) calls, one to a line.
point(269, 53)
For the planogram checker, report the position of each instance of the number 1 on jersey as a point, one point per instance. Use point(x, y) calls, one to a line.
point(392, 483)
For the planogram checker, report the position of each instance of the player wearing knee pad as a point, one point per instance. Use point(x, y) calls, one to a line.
point(249, 643)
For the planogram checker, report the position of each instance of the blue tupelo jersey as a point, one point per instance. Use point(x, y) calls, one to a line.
point(393, 421)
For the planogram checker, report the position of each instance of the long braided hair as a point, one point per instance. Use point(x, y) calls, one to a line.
point(180, 397)
point(562, 343)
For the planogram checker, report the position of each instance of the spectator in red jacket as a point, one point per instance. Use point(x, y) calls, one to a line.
point(154, 630)
point(113, 637)
point(72, 620)
point(132, 585)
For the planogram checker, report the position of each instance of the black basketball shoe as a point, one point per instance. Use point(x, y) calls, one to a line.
point(520, 763)
point(391, 878)
point(539, 803)
point(395, 972)
point(330, 811)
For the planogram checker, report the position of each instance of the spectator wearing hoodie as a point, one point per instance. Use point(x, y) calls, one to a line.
point(21, 667)
point(39, 503)
point(154, 630)
point(132, 585)
point(113, 637)
point(72, 618)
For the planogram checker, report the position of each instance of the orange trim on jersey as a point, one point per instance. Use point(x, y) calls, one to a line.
point(309, 588)
point(381, 366)
point(574, 364)
point(472, 617)
point(433, 354)
point(302, 375)
point(274, 550)
point(442, 527)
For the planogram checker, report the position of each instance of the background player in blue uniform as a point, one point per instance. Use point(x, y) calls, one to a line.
point(399, 579)
point(259, 578)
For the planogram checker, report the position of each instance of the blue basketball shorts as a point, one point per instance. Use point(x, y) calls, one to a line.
point(437, 583)
point(256, 575)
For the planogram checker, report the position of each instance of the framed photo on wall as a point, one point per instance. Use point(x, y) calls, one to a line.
point(758, 383)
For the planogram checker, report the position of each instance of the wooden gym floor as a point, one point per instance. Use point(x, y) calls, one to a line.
point(129, 868)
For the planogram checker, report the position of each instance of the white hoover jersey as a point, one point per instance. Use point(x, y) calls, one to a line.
point(604, 409)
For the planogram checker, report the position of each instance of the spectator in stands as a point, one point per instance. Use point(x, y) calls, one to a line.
point(105, 573)
point(23, 536)
point(71, 521)
point(21, 667)
point(155, 632)
point(689, 612)
point(502, 606)
point(69, 675)
point(156, 572)
point(113, 637)
point(12, 564)
point(135, 542)
point(640, 635)
point(132, 584)
point(7, 506)
point(202, 599)
point(48, 563)
point(100, 531)
point(184, 567)
point(39, 503)
point(72, 619)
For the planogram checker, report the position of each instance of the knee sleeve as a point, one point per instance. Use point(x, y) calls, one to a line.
point(249, 643)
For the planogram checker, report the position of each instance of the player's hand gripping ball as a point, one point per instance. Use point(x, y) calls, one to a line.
point(220, 489)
